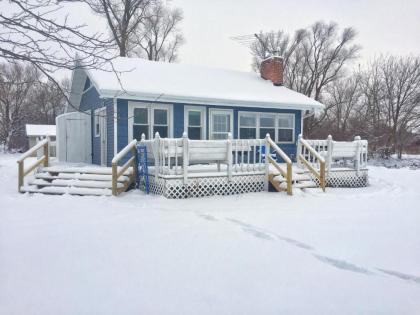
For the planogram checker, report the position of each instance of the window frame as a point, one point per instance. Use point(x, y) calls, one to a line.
point(293, 126)
point(203, 125)
point(276, 126)
point(151, 117)
point(96, 122)
point(213, 111)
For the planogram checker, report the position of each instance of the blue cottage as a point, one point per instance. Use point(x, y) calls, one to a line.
point(140, 96)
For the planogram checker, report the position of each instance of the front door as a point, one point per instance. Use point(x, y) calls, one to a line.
point(221, 124)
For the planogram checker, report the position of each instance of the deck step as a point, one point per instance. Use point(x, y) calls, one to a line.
point(302, 184)
point(78, 176)
point(74, 183)
point(67, 190)
point(295, 178)
point(83, 170)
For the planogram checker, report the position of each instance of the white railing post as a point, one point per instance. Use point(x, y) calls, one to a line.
point(267, 161)
point(357, 162)
point(229, 156)
point(185, 157)
point(299, 151)
point(329, 153)
point(157, 154)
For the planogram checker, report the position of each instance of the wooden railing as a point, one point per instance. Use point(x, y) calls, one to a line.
point(312, 160)
point(44, 160)
point(269, 143)
point(117, 172)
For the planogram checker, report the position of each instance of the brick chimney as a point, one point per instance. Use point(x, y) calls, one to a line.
point(272, 69)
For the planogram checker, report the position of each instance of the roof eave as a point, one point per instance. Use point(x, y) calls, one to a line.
point(205, 101)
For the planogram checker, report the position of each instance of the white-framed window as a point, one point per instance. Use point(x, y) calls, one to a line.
point(247, 126)
point(221, 122)
point(96, 122)
point(149, 119)
point(195, 122)
point(253, 125)
point(286, 128)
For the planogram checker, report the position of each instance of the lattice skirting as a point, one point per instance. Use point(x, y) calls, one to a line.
point(206, 186)
point(345, 178)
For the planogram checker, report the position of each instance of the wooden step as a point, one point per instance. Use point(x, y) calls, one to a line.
point(74, 183)
point(302, 184)
point(94, 177)
point(67, 190)
point(295, 178)
point(83, 170)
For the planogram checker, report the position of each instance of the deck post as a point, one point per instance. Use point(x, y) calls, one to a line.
point(357, 139)
point(267, 162)
point(157, 154)
point(329, 153)
point(299, 150)
point(20, 174)
point(185, 157)
point(46, 154)
point(229, 156)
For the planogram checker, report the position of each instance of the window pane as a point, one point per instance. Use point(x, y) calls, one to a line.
point(141, 116)
point(220, 136)
point(163, 131)
point(194, 133)
point(285, 135)
point(139, 129)
point(270, 131)
point(194, 118)
point(221, 123)
point(247, 120)
point(267, 121)
point(160, 117)
point(286, 121)
point(247, 133)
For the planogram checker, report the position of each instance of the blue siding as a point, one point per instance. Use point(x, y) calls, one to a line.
point(178, 122)
point(109, 103)
point(89, 102)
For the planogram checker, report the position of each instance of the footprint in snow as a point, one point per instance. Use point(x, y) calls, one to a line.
point(401, 275)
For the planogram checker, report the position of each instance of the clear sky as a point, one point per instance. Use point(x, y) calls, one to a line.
point(383, 26)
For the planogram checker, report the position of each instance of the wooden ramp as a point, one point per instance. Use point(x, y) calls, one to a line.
point(85, 181)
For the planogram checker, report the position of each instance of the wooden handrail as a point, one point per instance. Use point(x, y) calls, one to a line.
point(318, 174)
point(44, 160)
point(288, 173)
point(117, 173)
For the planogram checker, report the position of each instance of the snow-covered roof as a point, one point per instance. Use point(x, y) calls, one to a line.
point(171, 82)
point(40, 130)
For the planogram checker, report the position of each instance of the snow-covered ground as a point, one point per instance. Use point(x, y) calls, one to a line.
point(348, 251)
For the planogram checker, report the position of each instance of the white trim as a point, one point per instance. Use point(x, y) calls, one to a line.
point(276, 127)
point(103, 134)
point(218, 111)
point(202, 110)
point(150, 107)
point(96, 133)
point(209, 101)
point(115, 126)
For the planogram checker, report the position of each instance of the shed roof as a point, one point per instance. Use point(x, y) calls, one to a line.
point(40, 130)
point(136, 78)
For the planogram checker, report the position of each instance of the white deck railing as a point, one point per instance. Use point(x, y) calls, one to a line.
point(174, 157)
point(355, 152)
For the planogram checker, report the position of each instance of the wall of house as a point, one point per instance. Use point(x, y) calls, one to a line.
point(178, 122)
point(89, 102)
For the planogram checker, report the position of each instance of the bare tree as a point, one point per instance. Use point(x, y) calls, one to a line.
point(38, 32)
point(401, 78)
point(342, 101)
point(158, 36)
point(275, 43)
point(315, 58)
point(16, 82)
point(123, 18)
